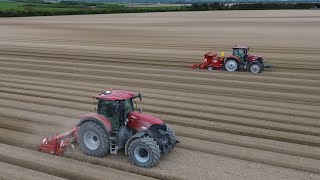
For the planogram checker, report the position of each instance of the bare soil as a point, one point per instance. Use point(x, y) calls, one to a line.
point(231, 125)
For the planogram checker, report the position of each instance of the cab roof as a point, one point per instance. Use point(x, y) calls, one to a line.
point(240, 47)
point(115, 95)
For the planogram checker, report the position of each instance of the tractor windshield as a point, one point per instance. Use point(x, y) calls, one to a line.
point(241, 53)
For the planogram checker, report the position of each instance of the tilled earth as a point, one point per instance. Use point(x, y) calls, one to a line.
point(231, 125)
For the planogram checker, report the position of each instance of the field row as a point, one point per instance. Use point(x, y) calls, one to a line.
point(231, 125)
point(285, 134)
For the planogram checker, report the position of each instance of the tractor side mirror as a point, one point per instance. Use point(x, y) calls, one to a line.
point(140, 97)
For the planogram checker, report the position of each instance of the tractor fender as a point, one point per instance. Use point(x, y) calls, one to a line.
point(258, 60)
point(139, 134)
point(95, 117)
point(232, 57)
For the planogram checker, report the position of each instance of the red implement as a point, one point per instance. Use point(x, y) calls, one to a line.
point(211, 62)
point(59, 143)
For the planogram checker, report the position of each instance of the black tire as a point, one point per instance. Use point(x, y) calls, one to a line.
point(260, 61)
point(172, 138)
point(262, 67)
point(144, 152)
point(231, 65)
point(89, 132)
point(255, 68)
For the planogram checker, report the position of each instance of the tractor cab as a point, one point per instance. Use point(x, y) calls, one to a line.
point(116, 105)
point(241, 52)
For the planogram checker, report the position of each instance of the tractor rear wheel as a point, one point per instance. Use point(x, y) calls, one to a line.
point(93, 139)
point(144, 152)
point(256, 68)
point(231, 65)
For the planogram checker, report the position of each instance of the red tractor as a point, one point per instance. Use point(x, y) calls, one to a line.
point(116, 125)
point(239, 60)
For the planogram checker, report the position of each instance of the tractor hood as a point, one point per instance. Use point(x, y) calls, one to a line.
point(253, 57)
point(140, 121)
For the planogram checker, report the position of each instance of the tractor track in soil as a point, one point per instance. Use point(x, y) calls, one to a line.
point(177, 63)
point(77, 63)
point(17, 172)
point(249, 121)
point(205, 89)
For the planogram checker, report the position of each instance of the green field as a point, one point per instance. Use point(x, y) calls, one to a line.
point(11, 5)
point(40, 8)
point(12, 9)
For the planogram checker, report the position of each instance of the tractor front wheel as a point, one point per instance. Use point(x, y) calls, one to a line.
point(231, 65)
point(93, 139)
point(172, 138)
point(256, 68)
point(144, 152)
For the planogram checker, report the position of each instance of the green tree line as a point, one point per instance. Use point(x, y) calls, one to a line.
point(252, 6)
point(40, 8)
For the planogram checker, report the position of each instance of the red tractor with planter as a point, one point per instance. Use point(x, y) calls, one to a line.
point(117, 125)
point(239, 60)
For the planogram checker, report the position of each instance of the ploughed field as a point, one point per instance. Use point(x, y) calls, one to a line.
point(231, 125)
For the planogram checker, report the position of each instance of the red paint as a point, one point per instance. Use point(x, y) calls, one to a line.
point(138, 120)
point(57, 144)
point(102, 119)
point(116, 95)
point(233, 57)
point(210, 60)
point(251, 58)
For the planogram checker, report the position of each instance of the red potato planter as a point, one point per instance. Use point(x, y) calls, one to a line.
point(239, 60)
point(117, 125)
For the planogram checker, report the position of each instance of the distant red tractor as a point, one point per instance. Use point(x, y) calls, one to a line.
point(116, 125)
point(239, 60)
